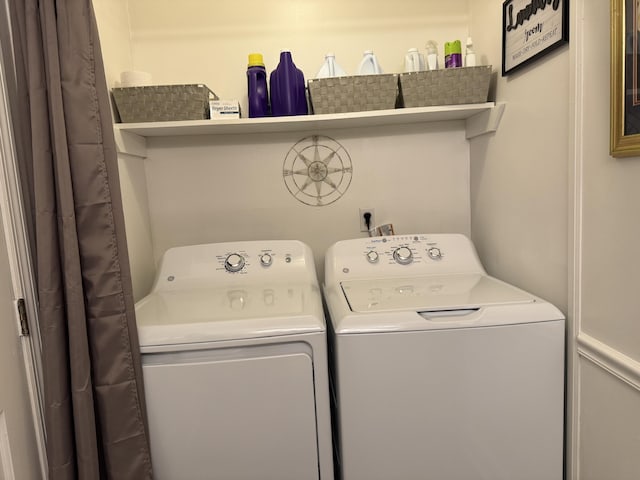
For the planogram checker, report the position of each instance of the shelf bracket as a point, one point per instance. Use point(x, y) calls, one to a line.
point(485, 122)
point(129, 143)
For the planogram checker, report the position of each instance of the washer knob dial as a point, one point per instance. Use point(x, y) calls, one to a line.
point(266, 260)
point(434, 253)
point(403, 255)
point(372, 256)
point(234, 262)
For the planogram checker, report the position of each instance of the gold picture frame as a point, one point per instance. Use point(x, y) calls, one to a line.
point(625, 78)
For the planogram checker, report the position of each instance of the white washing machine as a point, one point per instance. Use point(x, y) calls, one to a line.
point(234, 355)
point(439, 370)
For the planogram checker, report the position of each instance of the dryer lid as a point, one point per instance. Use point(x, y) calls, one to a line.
point(212, 314)
point(430, 293)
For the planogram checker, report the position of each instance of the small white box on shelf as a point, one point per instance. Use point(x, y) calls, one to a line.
point(224, 109)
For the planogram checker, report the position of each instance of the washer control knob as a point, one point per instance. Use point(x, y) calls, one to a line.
point(234, 262)
point(266, 260)
point(403, 255)
point(372, 256)
point(434, 253)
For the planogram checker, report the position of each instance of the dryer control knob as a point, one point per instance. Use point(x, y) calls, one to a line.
point(372, 256)
point(266, 260)
point(403, 255)
point(434, 253)
point(234, 263)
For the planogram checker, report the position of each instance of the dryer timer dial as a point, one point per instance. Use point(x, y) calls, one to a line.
point(234, 263)
point(266, 260)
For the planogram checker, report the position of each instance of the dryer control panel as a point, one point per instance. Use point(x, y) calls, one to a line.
point(401, 255)
point(241, 263)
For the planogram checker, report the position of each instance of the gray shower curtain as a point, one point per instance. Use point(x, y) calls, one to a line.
point(93, 391)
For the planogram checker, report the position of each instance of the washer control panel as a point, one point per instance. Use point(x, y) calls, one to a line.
point(401, 255)
point(402, 250)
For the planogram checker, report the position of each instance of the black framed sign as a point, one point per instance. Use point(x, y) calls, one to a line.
point(530, 29)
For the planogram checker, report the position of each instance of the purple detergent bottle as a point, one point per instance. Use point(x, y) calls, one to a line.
point(257, 86)
point(288, 95)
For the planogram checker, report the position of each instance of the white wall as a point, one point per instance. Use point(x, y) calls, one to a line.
point(112, 17)
point(519, 176)
point(208, 42)
point(609, 426)
point(213, 189)
point(547, 167)
point(610, 199)
point(606, 376)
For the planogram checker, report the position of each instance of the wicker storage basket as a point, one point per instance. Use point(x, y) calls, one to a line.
point(159, 103)
point(449, 86)
point(353, 94)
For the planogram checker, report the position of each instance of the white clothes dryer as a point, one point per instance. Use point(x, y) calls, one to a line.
point(233, 343)
point(439, 370)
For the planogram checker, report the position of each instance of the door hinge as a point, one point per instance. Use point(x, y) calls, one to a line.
point(22, 317)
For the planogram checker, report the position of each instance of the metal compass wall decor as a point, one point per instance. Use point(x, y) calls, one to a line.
point(317, 170)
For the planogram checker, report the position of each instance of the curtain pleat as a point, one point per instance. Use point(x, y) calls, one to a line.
point(94, 400)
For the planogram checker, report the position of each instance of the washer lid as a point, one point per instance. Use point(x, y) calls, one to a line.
point(212, 314)
point(429, 293)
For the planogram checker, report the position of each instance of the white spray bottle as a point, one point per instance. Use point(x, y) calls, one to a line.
point(470, 57)
point(432, 55)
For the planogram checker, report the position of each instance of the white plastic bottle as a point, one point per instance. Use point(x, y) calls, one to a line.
point(413, 61)
point(369, 64)
point(432, 55)
point(470, 57)
point(330, 68)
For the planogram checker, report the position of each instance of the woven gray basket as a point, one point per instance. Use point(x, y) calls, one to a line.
point(159, 103)
point(449, 86)
point(353, 94)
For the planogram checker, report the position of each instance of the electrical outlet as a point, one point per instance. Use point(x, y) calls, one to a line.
point(363, 222)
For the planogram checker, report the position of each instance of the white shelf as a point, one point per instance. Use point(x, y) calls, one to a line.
point(480, 118)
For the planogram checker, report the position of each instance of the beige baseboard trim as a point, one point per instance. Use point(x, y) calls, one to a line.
point(625, 368)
